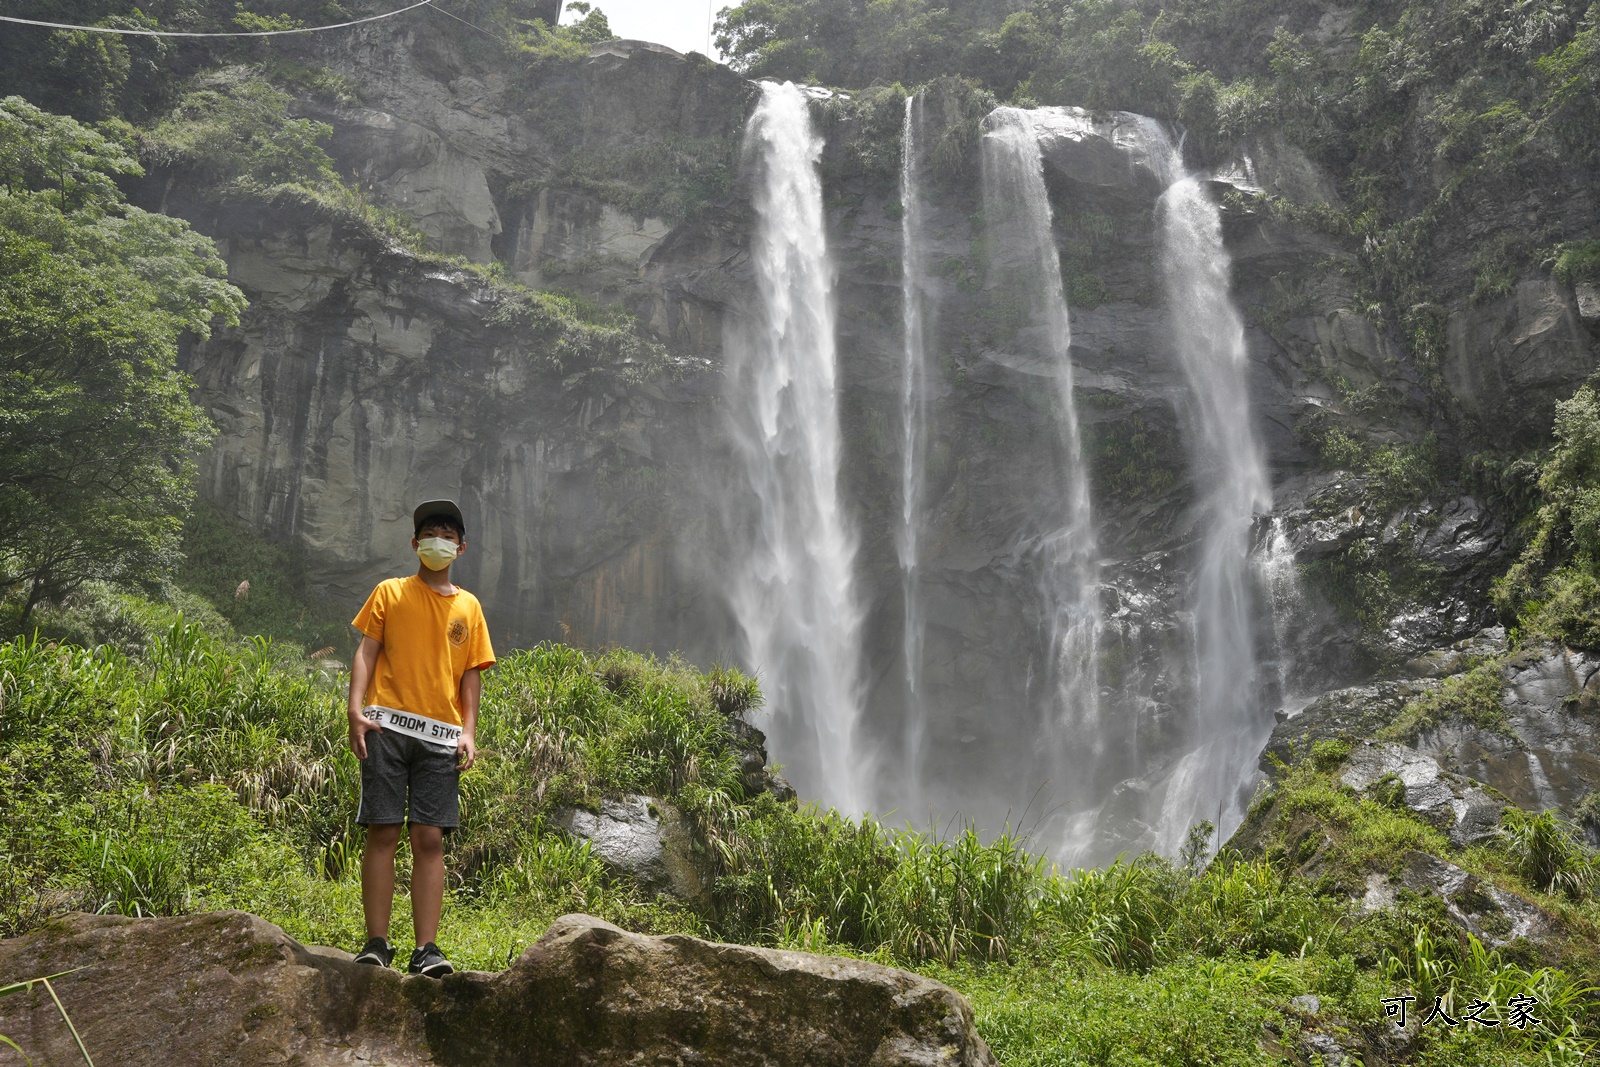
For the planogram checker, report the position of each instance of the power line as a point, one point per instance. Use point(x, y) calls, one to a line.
point(179, 33)
point(464, 22)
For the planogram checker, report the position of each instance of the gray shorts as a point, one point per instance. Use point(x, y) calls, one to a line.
point(397, 765)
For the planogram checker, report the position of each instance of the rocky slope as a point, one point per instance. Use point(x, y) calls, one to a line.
point(230, 988)
point(1535, 748)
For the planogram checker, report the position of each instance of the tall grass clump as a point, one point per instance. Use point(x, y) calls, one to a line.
point(908, 894)
point(1462, 975)
point(1115, 914)
point(1549, 853)
point(1252, 908)
point(127, 781)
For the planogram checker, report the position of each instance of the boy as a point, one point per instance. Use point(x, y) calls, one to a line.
point(414, 689)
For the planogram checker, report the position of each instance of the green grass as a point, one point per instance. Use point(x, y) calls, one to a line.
point(196, 770)
point(1196, 1011)
point(1317, 822)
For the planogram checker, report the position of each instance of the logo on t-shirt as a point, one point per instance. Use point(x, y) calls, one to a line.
point(458, 632)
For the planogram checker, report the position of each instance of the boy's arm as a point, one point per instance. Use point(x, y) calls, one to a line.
point(361, 668)
point(471, 694)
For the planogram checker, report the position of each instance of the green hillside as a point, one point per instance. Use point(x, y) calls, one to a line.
point(209, 771)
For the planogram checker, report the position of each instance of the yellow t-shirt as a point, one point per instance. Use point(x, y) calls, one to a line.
point(429, 641)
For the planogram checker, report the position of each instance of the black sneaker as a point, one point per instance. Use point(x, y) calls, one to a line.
point(377, 952)
point(429, 962)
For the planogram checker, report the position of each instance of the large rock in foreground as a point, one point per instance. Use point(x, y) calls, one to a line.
point(230, 988)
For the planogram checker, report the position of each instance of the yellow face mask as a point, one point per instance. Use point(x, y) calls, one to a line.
point(436, 552)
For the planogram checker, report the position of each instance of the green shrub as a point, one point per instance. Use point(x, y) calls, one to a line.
point(569, 336)
point(732, 692)
point(1330, 753)
point(1587, 812)
point(1396, 475)
point(1577, 261)
point(1250, 908)
point(1390, 791)
point(915, 895)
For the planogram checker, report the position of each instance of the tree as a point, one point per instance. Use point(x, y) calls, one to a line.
point(97, 431)
point(593, 28)
point(234, 127)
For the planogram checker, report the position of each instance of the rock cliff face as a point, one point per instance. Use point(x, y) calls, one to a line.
point(229, 988)
point(360, 382)
point(1548, 754)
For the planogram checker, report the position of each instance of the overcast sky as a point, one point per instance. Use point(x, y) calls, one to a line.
point(680, 24)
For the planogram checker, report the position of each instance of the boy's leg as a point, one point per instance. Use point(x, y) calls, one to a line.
point(435, 809)
point(382, 811)
point(427, 881)
point(377, 877)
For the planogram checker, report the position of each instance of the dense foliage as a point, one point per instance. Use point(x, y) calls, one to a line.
point(233, 127)
point(1452, 142)
point(96, 76)
point(1554, 589)
point(98, 435)
point(257, 586)
point(1229, 68)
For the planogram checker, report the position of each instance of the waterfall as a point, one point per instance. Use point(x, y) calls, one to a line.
point(913, 438)
point(1230, 723)
point(1280, 576)
point(790, 583)
point(1024, 265)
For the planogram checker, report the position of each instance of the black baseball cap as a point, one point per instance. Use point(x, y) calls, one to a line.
point(438, 509)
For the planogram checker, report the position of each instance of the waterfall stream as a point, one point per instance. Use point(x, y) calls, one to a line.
point(1280, 576)
point(1230, 722)
point(790, 586)
point(1025, 267)
point(913, 443)
point(790, 574)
